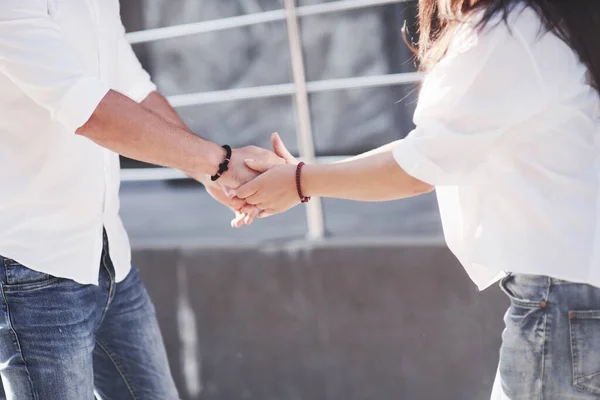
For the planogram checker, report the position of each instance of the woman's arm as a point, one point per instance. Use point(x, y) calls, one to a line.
point(374, 176)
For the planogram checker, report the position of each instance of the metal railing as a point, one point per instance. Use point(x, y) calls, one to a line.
point(289, 89)
point(174, 31)
point(170, 174)
point(300, 88)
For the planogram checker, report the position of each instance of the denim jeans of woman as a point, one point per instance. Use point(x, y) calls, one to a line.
point(551, 343)
point(60, 340)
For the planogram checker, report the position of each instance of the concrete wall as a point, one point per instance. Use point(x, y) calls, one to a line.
point(333, 321)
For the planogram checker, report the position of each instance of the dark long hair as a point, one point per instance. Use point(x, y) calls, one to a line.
point(576, 22)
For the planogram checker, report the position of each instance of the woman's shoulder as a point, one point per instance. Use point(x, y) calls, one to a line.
point(521, 28)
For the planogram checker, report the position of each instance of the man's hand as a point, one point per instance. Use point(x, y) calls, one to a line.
point(157, 104)
point(239, 173)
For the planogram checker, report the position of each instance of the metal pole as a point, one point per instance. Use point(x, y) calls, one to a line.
point(314, 210)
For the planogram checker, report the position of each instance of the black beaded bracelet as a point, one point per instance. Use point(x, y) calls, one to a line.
point(224, 166)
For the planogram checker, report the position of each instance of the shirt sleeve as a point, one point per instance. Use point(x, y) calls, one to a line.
point(34, 56)
point(486, 85)
point(132, 80)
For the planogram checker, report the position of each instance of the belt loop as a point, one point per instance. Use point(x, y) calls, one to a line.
point(547, 300)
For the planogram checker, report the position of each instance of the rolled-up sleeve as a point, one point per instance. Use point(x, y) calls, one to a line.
point(469, 103)
point(34, 56)
point(132, 80)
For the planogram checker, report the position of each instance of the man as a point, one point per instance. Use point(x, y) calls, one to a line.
point(74, 317)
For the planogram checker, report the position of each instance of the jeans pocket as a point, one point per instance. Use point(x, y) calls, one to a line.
point(521, 354)
point(20, 278)
point(525, 291)
point(585, 350)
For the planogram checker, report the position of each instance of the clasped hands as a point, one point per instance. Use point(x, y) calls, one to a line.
point(259, 183)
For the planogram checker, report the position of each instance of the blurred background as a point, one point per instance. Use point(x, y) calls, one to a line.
point(339, 300)
point(227, 67)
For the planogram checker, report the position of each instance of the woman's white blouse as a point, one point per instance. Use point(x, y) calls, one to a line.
point(507, 130)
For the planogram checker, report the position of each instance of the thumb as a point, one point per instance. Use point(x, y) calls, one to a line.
point(280, 149)
point(258, 166)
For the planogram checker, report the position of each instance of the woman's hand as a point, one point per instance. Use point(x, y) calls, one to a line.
point(274, 191)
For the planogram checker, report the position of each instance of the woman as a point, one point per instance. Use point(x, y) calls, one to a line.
point(507, 132)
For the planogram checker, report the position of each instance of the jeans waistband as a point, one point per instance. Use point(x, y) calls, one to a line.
point(542, 280)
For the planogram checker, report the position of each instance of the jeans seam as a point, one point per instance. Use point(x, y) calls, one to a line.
point(574, 358)
point(18, 343)
point(104, 348)
point(544, 342)
point(111, 289)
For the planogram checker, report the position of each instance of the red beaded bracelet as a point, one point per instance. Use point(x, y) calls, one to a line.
point(303, 198)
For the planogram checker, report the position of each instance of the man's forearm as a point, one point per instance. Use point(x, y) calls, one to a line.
point(127, 128)
point(160, 106)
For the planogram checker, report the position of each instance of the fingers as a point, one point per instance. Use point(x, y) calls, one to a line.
point(247, 190)
point(280, 149)
point(245, 217)
point(238, 221)
point(251, 216)
point(247, 209)
point(258, 166)
point(236, 203)
point(254, 200)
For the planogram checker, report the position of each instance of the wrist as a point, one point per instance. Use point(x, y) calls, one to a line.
point(224, 165)
point(230, 173)
point(204, 179)
point(306, 181)
point(207, 159)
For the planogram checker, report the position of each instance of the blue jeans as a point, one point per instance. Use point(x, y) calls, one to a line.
point(60, 340)
point(551, 344)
